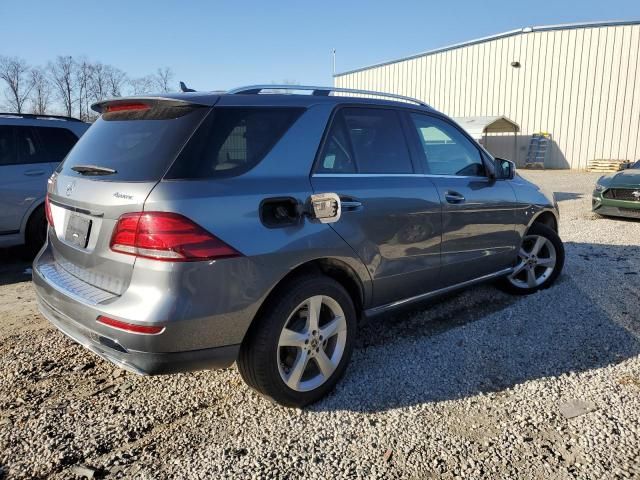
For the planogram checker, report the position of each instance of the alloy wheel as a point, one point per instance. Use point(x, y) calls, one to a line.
point(537, 260)
point(312, 343)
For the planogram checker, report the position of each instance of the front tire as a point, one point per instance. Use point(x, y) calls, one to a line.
point(299, 347)
point(540, 261)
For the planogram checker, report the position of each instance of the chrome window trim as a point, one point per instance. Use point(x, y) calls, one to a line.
point(427, 175)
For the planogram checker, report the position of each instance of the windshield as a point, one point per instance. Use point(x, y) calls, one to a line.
point(137, 150)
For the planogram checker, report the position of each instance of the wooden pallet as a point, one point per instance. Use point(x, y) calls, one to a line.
point(600, 165)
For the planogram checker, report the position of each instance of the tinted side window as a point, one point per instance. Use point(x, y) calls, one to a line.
point(447, 150)
point(337, 156)
point(377, 140)
point(231, 141)
point(29, 149)
point(8, 154)
point(56, 142)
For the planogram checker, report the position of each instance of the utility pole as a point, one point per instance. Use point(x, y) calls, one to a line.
point(334, 61)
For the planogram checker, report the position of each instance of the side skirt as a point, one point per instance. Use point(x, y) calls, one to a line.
point(372, 312)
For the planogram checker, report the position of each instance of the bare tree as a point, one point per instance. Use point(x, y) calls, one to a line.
point(62, 73)
point(163, 79)
point(15, 72)
point(116, 80)
point(83, 80)
point(142, 85)
point(99, 84)
point(72, 85)
point(41, 91)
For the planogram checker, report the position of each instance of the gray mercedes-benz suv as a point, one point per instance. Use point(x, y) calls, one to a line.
point(190, 231)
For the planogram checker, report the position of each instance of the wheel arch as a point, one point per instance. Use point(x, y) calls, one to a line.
point(334, 268)
point(546, 217)
point(26, 218)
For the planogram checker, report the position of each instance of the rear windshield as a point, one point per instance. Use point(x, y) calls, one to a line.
point(232, 140)
point(139, 148)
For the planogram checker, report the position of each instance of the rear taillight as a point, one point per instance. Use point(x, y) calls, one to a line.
point(167, 236)
point(47, 210)
point(130, 327)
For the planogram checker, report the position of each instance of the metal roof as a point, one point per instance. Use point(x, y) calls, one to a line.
point(510, 33)
point(478, 126)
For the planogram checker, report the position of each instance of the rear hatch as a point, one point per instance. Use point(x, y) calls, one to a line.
point(110, 172)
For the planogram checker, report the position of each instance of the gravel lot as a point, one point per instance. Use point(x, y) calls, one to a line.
point(471, 386)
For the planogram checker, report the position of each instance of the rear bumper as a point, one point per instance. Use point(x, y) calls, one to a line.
point(187, 343)
point(143, 363)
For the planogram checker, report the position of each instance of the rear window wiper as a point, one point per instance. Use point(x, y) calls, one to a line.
point(93, 170)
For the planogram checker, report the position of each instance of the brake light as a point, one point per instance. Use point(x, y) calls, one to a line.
point(130, 327)
point(167, 236)
point(47, 210)
point(126, 107)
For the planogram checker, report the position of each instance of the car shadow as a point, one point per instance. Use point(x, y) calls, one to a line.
point(562, 196)
point(15, 265)
point(483, 340)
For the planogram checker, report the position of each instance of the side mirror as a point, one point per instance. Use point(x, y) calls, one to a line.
point(505, 169)
point(324, 207)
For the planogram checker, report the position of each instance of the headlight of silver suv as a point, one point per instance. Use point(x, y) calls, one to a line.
point(600, 188)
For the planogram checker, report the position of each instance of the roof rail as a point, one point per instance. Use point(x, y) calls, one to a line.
point(37, 116)
point(322, 92)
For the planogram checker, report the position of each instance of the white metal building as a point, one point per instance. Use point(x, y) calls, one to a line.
point(578, 82)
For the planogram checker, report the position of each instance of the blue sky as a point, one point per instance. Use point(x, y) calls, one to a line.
point(218, 45)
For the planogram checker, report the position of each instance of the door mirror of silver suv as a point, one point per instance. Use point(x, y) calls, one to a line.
point(505, 169)
point(324, 207)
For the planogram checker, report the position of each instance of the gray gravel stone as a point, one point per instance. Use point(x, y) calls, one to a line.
point(466, 387)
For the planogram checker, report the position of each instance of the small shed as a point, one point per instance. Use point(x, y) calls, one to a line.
point(479, 127)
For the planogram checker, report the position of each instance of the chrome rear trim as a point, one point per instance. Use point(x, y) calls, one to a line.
point(73, 286)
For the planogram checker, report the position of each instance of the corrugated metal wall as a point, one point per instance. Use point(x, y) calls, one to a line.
point(577, 83)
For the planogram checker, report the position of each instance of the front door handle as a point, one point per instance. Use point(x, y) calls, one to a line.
point(34, 172)
point(454, 197)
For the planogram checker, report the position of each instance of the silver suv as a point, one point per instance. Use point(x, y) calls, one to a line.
point(190, 231)
point(31, 147)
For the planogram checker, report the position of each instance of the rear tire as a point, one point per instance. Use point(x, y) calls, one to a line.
point(540, 262)
point(36, 231)
point(300, 364)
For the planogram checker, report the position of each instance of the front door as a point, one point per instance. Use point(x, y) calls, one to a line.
point(391, 216)
point(478, 212)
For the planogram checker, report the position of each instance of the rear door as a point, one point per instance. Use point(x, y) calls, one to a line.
point(23, 175)
point(110, 172)
point(478, 212)
point(390, 214)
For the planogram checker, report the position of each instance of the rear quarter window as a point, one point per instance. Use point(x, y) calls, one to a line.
point(231, 141)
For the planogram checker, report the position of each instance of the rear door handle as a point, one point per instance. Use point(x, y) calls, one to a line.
point(34, 173)
point(454, 197)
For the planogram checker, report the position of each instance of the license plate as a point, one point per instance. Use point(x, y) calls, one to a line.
point(78, 229)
